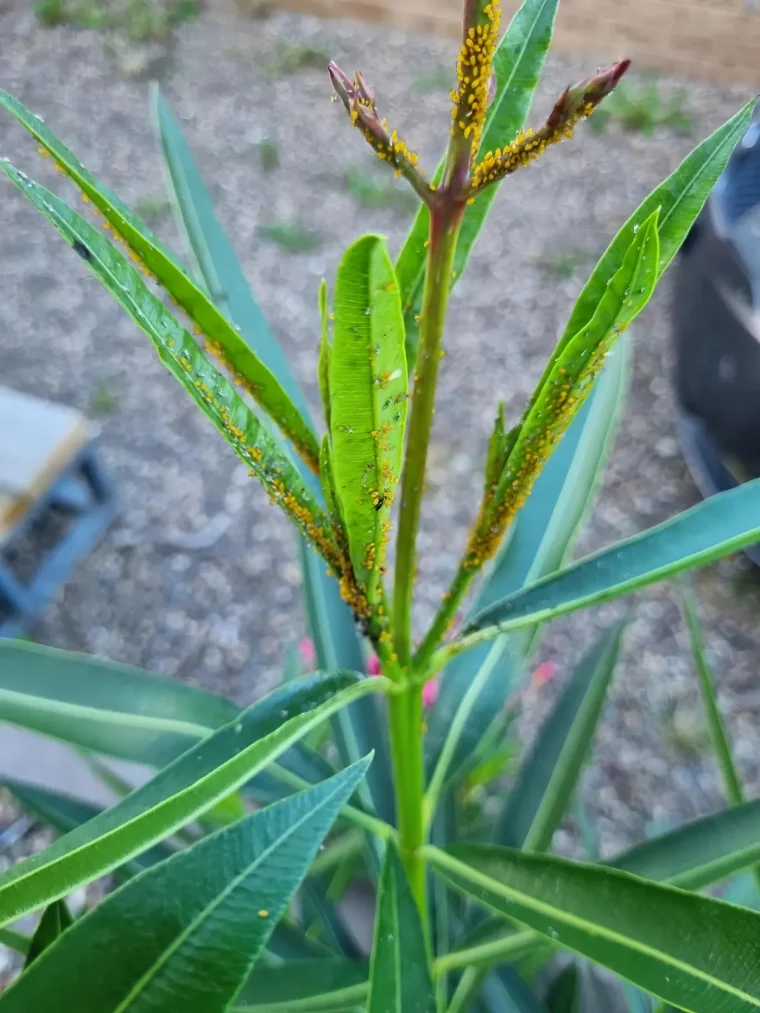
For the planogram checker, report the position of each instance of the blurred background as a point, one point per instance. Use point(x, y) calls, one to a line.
point(197, 577)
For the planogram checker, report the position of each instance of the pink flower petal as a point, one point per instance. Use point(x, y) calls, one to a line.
point(373, 665)
point(544, 673)
point(307, 652)
point(430, 693)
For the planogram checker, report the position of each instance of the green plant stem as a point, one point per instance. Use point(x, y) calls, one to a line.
point(467, 989)
point(445, 221)
point(349, 813)
point(406, 719)
point(405, 710)
point(508, 948)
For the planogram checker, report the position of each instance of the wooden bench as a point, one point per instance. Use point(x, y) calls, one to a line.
point(48, 468)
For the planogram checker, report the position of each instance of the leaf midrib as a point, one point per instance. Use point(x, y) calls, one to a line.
point(218, 900)
point(590, 928)
point(305, 724)
point(101, 715)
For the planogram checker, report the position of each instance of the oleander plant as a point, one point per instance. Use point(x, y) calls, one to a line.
point(242, 865)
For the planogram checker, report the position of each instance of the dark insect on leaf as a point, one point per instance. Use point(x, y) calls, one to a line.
point(82, 250)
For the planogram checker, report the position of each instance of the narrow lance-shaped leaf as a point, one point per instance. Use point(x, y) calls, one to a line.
point(56, 918)
point(499, 448)
point(226, 895)
point(547, 777)
point(104, 706)
point(698, 854)
point(721, 743)
point(180, 792)
point(517, 66)
point(212, 392)
point(693, 856)
point(334, 634)
point(399, 979)
point(564, 390)
point(679, 198)
point(331, 624)
point(65, 813)
point(697, 952)
point(329, 491)
point(304, 985)
point(221, 336)
point(118, 710)
point(368, 394)
point(214, 253)
point(323, 369)
point(16, 941)
point(475, 686)
point(722, 524)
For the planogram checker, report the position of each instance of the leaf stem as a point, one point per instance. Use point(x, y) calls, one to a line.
point(445, 221)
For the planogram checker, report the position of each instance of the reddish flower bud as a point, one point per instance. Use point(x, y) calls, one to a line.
point(359, 99)
point(573, 105)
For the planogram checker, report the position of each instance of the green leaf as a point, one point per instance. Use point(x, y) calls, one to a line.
point(110, 708)
point(518, 63)
point(334, 634)
point(304, 985)
point(679, 198)
point(323, 368)
point(332, 627)
point(696, 952)
point(184, 935)
point(368, 394)
point(120, 711)
point(146, 250)
point(474, 687)
point(565, 385)
point(318, 912)
point(721, 743)
point(505, 989)
point(210, 390)
point(694, 856)
point(564, 994)
point(16, 941)
point(715, 528)
point(399, 977)
point(214, 254)
point(56, 918)
point(65, 813)
point(329, 491)
point(698, 854)
point(544, 785)
point(499, 447)
point(180, 792)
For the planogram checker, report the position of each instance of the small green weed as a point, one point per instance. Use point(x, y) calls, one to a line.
point(289, 57)
point(374, 194)
point(103, 400)
point(152, 207)
point(83, 14)
point(435, 79)
point(269, 154)
point(290, 236)
point(138, 20)
point(562, 265)
point(641, 109)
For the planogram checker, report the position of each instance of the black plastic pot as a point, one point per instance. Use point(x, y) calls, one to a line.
point(716, 330)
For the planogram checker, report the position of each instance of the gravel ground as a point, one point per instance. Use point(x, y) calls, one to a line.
point(223, 616)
